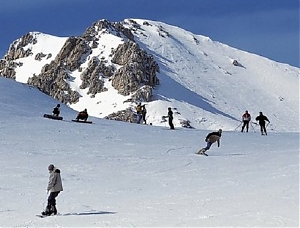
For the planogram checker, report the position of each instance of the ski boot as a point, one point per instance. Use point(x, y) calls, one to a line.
point(53, 210)
point(47, 211)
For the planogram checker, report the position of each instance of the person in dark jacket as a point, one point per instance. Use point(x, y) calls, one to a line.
point(262, 122)
point(53, 189)
point(56, 110)
point(83, 115)
point(210, 139)
point(170, 116)
point(144, 112)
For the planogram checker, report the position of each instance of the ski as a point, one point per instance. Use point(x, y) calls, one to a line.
point(201, 152)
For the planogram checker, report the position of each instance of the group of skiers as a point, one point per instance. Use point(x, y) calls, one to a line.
point(55, 183)
point(246, 118)
point(262, 119)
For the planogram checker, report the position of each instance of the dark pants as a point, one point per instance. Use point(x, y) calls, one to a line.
point(263, 128)
point(171, 123)
point(246, 124)
point(144, 118)
point(51, 198)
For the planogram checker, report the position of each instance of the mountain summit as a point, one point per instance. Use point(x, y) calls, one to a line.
point(113, 66)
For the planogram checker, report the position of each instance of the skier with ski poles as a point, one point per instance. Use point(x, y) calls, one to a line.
point(262, 123)
point(246, 118)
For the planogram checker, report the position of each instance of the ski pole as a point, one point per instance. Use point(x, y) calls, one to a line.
point(238, 126)
point(252, 127)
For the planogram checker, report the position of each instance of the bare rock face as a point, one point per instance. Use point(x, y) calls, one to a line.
point(124, 115)
point(138, 69)
point(16, 50)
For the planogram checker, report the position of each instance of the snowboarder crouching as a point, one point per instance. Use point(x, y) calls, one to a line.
point(56, 110)
point(210, 139)
point(54, 187)
point(83, 115)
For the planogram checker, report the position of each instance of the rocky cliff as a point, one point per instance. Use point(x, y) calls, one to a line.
point(129, 68)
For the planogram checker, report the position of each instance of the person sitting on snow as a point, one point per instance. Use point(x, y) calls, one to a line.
point(83, 115)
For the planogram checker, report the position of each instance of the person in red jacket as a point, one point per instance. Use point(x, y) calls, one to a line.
point(246, 118)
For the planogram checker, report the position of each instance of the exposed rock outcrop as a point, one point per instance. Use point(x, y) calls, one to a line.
point(129, 69)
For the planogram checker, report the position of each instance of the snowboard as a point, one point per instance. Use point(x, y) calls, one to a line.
point(43, 216)
point(80, 121)
point(53, 117)
point(201, 152)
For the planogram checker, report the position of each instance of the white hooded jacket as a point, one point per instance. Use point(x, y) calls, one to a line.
point(55, 183)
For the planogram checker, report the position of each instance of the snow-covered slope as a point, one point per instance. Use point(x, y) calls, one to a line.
point(197, 79)
point(118, 174)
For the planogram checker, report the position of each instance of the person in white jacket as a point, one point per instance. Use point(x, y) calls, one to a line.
point(53, 189)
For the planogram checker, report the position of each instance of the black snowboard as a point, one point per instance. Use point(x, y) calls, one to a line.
point(82, 121)
point(53, 117)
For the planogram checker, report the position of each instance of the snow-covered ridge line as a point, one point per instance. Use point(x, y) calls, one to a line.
point(207, 83)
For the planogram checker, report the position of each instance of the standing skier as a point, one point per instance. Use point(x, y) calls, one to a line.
point(144, 112)
point(138, 109)
point(54, 187)
point(210, 139)
point(170, 116)
point(246, 117)
point(262, 122)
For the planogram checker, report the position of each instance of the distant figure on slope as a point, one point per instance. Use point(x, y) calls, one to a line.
point(210, 139)
point(138, 109)
point(54, 188)
point(144, 112)
point(170, 116)
point(246, 118)
point(262, 122)
point(56, 110)
point(83, 115)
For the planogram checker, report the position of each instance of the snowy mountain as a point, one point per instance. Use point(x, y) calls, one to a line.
point(117, 174)
point(208, 84)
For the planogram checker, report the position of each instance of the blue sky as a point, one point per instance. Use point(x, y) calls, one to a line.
point(269, 28)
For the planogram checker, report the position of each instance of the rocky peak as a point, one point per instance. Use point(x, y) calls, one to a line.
point(129, 69)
